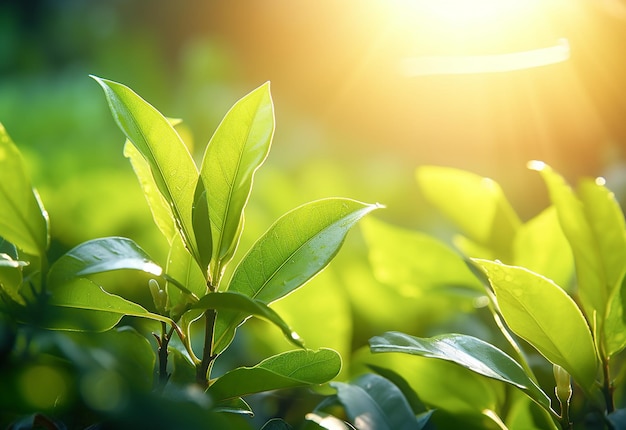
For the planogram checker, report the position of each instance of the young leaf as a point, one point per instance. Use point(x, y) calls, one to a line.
point(83, 294)
point(467, 351)
point(475, 204)
point(236, 150)
point(540, 312)
point(101, 255)
point(11, 276)
point(244, 304)
point(202, 226)
point(23, 220)
point(289, 369)
point(294, 249)
point(372, 402)
point(172, 167)
point(594, 227)
point(183, 268)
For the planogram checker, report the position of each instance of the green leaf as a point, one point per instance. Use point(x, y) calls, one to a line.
point(475, 204)
point(594, 227)
point(467, 351)
point(172, 167)
point(11, 276)
point(541, 246)
point(83, 294)
point(413, 262)
point(250, 307)
point(184, 269)
point(376, 404)
point(23, 220)
point(236, 150)
point(294, 249)
point(160, 209)
point(276, 424)
point(289, 369)
point(540, 312)
point(234, 406)
point(101, 255)
point(202, 226)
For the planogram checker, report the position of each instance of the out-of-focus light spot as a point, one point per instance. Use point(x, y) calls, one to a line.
point(600, 181)
point(104, 390)
point(43, 387)
point(481, 302)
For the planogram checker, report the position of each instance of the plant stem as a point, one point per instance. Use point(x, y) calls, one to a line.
point(203, 370)
point(163, 355)
point(607, 388)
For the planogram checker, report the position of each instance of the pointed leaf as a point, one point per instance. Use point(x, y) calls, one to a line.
point(101, 255)
point(289, 369)
point(83, 294)
point(160, 209)
point(236, 150)
point(540, 312)
point(372, 402)
point(23, 220)
point(250, 307)
point(172, 167)
point(466, 351)
point(202, 226)
point(236, 405)
point(182, 267)
point(294, 249)
point(276, 424)
point(475, 204)
point(11, 276)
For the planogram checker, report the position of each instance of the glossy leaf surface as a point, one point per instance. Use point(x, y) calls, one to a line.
point(540, 312)
point(372, 402)
point(236, 150)
point(289, 369)
point(250, 307)
point(23, 220)
point(294, 249)
point(475, 204)
point(172, 167)
point(101, 255)
point(467, 351)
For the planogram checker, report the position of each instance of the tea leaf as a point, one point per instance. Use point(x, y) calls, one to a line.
point(539, 311)
point(23, 220)
point(294, 249)
point(236, 150)
point(376, 403)
point(101, 255)
point(475, 204)
point(289, 369)
point(250, 307)
point(172, 167)
point(467, 351)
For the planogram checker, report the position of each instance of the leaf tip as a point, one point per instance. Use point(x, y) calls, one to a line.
point(536, 165)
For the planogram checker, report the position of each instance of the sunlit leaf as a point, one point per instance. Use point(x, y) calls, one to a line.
point(182, 267)
point(236, 150)
point(475, 204)
point(172, 167)
point(594, 227)
point(535, 308)
point(202, 226)
point(161, 212)
point(294, 249)
point(11, 271)
point(527, 415)
point(101, 255)
point(541, 246)
point(83, 294)
point(411, 261)
point(289, 369)
point(467, 351)
point(372, 402)
point(248, 306)
point(23, 220)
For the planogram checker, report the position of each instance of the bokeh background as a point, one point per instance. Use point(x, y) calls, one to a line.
point(349, 121)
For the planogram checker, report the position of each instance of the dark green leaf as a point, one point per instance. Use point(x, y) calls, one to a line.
point(23, 220)
point(234, 406)
point(172, 167)
point(236, 150)
point(101, 255)
point(294, 249)
point(467, 351)
point(202, 226)
point(276, 424)
point(250, 307)
point(535, 308)
point(289, 369)
point(411, 396)
point(374, 403)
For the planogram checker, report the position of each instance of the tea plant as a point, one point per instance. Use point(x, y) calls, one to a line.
point(200, 212)
point(555, 339)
